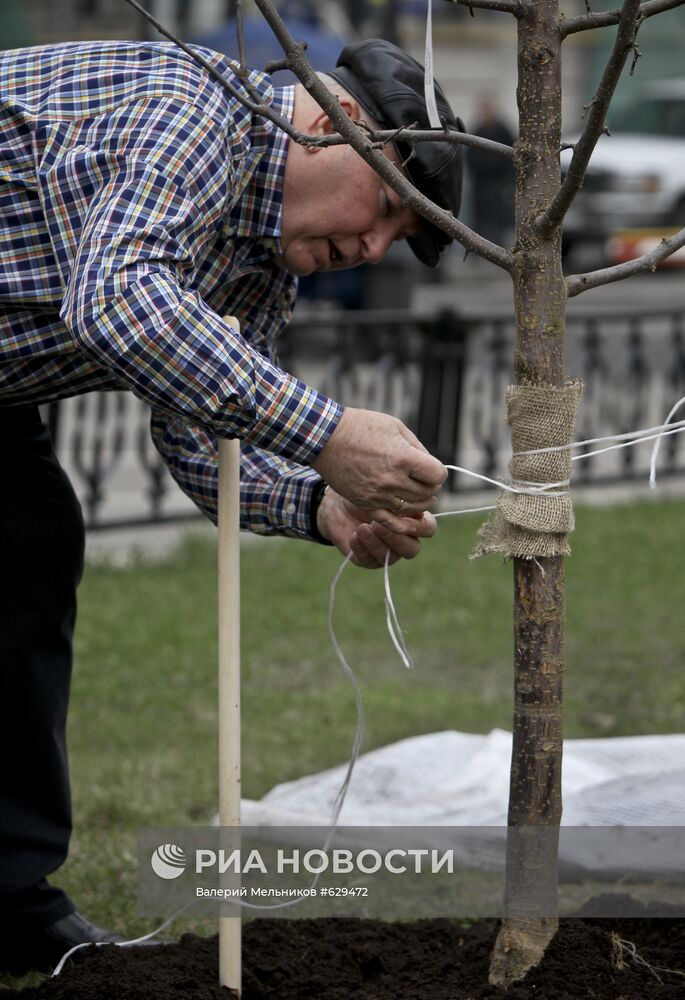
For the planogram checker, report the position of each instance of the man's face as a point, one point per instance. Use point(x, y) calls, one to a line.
point(338, 213)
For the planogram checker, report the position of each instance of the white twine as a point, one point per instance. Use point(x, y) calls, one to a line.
point(628, 440)
point(532, 489)
point(359, 735)
point(655, 450)
point(121, 944)
point(391, 620)
point(356, 745)
point(609, 437)
point(468, 510)
point(628, 444)
point(428, 82)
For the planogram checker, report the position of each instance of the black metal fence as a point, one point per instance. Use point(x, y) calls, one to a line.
point(445, 376)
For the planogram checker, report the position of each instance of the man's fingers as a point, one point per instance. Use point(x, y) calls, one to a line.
point(406, 546)
point(406, 522)
point(368, 550)
point(402, 506)
point(426, 470)
point(425, 474)
point(434, 485)
point(373, 540)
point(412, 439)
point(371, 543)
point(419, 526)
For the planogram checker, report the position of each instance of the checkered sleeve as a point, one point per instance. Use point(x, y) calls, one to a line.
point(131, 218)
point(275, 494)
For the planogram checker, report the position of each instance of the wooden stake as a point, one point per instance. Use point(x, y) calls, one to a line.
point(229, 686)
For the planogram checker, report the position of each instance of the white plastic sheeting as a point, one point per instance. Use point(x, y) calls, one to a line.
point(462, 779)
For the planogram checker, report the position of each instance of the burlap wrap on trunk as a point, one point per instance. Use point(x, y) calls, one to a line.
point(529, 526)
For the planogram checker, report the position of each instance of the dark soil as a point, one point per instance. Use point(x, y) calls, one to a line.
point(342, 959)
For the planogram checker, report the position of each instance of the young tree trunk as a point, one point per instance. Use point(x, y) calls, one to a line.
point(540, 296)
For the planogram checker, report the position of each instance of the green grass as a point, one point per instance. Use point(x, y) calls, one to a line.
point(142, 730)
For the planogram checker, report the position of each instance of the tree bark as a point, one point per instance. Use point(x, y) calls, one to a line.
point(540, 295)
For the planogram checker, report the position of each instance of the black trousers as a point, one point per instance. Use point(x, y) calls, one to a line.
point(41, 548)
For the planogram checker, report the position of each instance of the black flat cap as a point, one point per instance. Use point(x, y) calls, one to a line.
point(388, 84)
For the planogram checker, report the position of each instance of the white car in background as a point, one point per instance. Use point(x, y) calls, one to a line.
point(635, 183)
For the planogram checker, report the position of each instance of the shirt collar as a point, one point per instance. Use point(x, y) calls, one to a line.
point(259, 210)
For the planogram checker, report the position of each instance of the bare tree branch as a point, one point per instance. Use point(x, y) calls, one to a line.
point(254, 104)
point(275, 65)
point(240, 32)
point(605, 18)
point(410, 136)
point(625, 40)
point(514, 7)
point(577, 283)
point(257, 107)
point(243, 72)
point(360, 142)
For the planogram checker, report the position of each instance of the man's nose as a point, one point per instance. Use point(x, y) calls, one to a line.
point(376, 243)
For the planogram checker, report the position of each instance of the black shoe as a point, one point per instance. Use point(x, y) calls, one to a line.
point(41, 950)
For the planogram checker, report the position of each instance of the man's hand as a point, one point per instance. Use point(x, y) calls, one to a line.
point(357, 531)
point(376, 463)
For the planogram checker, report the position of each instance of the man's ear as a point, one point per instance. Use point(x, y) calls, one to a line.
point(322, 125)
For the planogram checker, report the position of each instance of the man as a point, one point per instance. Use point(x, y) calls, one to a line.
point(492, 176)
point(139, 203)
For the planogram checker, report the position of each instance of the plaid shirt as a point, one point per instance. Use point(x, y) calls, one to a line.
point(139, 203)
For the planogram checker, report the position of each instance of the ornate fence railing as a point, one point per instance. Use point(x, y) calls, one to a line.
point(444, 376)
